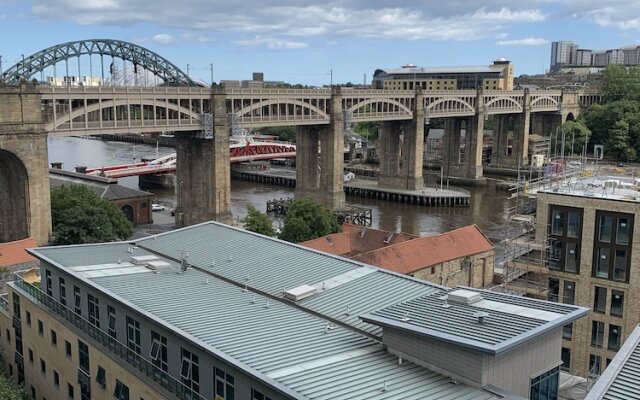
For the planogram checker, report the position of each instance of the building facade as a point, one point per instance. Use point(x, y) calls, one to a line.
point(563, 53)
point(184, 316)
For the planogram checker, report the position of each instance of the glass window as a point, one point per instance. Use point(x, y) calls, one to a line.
point(602, 262)
point(43, 366)
point(49, 282)
point(70, 391)
point(554, 289)
point(133, 334)
point(111, 312)
point(56, 379)
point(224, 386)
point(600, 300)
point(158, 352)
point(571, 257)
point(615, 332)
point(40, 328)
point(67, 348)
point(94, 310)
point(545, 386)
point(76, 300)
point(63, 291)
point(622, 231)
point(594, 364)
point(605, 228)
point(620, 265)
point(83, 356)
point(28, 315)
point(555, 252)
point(557, 222)
point(54, 338)
point(121, 391)
point(597, 333)
point(617, 303)
point(573, 224)
point(190, 370)
point(566, 358)
point(101, 379)
point(567, 331)
point(255, 395)
point(568, 296)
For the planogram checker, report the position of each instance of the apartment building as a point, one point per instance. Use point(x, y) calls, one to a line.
point(214, 312)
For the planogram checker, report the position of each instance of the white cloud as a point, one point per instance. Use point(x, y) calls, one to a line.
point(165, 38)
point(530, 41)
point(271, 43)
point(620, 14)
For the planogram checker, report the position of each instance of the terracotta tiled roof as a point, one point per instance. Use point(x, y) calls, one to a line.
point(13, 253)
point(413, 255)
point(337, 244)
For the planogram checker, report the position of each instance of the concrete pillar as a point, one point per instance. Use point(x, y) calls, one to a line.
point(203, 173)
point(474, 130)
point(500, 141)
point(389, 146)
point(320, 176)
point(25, 203)
point(451, 146)
point(521, 130)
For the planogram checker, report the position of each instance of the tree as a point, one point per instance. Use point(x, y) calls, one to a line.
point(79, 215)
point(258, 222)
point(575, 133)
point(285, 133)
point(368, 130)
point(620, 83)
point(8, 389)
point(307, 220)
point(618, 143)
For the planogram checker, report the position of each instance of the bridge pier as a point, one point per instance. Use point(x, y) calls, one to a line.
point(25, 203)
point(203, 172)
point(401, 161)
point(320, 158)
point(469, 166)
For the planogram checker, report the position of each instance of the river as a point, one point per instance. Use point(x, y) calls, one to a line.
point(488, 207)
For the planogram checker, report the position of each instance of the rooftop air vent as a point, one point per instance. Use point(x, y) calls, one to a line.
point(463, 296)
point(388, 238)
point(300, 292)
point(141, 260)
point(157, 265)
point(481, 315)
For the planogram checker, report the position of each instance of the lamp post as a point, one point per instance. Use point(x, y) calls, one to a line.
point(211, 69)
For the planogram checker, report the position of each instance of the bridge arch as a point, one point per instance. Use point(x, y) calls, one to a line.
point(137, 55)
point(502, 102)
point(109, 104)
point(14, 198)
point(390, 102)
point(463, 105)
point(545, 100)
point(247, 111)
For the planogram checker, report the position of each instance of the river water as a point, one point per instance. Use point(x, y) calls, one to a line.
point(488, 207)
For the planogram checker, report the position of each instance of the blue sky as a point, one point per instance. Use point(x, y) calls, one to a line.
point(301, 40)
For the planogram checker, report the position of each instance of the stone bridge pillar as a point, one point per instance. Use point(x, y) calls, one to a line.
point(500, 152)
point(320, 158)
point(203, 180)
point(25, 204)
point(401, 161)
point(521, 128)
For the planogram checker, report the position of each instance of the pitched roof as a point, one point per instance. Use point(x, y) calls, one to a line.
point(13, 253)
point(107, 188)
point(416, 254)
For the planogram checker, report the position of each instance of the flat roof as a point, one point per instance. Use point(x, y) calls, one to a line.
point(444, 70)
point(318, 347)
point(607, 187)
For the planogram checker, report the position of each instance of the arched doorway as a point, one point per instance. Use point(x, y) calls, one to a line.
point(128, 212)
point(570, 117)
point(14, 198)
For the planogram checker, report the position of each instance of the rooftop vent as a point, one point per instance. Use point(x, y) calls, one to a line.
point(463, 296)
point(142, 260)
point(481, 315)
point(300, 292)
point(388, 238)
point(156, 265)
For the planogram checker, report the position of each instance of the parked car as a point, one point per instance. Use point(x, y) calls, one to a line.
point(157, 207)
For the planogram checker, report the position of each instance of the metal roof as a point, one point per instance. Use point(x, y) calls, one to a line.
point(410, 71)
point(621, 379)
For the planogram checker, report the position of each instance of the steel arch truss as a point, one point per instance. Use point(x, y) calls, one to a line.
point(137, 55)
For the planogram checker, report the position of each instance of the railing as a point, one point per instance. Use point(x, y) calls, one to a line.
point(165, 380)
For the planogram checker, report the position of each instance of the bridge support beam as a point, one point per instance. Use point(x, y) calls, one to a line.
point(25, 203)
point(203, 172)
point(401, 161)
point(500, 151)
point(469, 166)
point(320, 158)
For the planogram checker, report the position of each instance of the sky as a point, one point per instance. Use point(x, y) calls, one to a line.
point(312, 42)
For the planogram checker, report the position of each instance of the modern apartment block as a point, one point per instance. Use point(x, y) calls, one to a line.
point(497, 76)
point(563, 53)
point(213, 312)
point(567, 54)
point(587, 228)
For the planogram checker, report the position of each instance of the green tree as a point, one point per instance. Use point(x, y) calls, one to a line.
point(621, 83)
point(285, 133)
point(368, 130)
point(576, 133)
point(79, 215)
point(258, 222)
point(307, 220)
point(8, 389)
point(618, 143)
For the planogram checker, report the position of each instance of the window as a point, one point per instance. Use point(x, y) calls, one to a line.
point(615, 333)
point(597, 333)
point(190, 370)
point(617, 303)
point(56, 379)
point(63, 291)
point(94, 310)
point(111, 312)
point(158, 352)
point(545, 386)
point(47, 277)
point(225, 388)
point(568, 297)
point(121, 391)
point(30, 355)
point(567, 331)
point(40, 328)
point(33, 392)
point(554, 289)
point(133, 334)
point(565, 234)
point(54, 338)
point(594, 364)
point(83, 356)
point(76, 300)
point(43, 367)
point(612, 249)
point(565, 355)
point(255, 395)
point(67, 348)
point(69, 391)
point(600, 300)
point(101, 379)
point(28, 316)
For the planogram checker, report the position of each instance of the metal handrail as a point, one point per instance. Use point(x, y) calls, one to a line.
point(117, 348)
